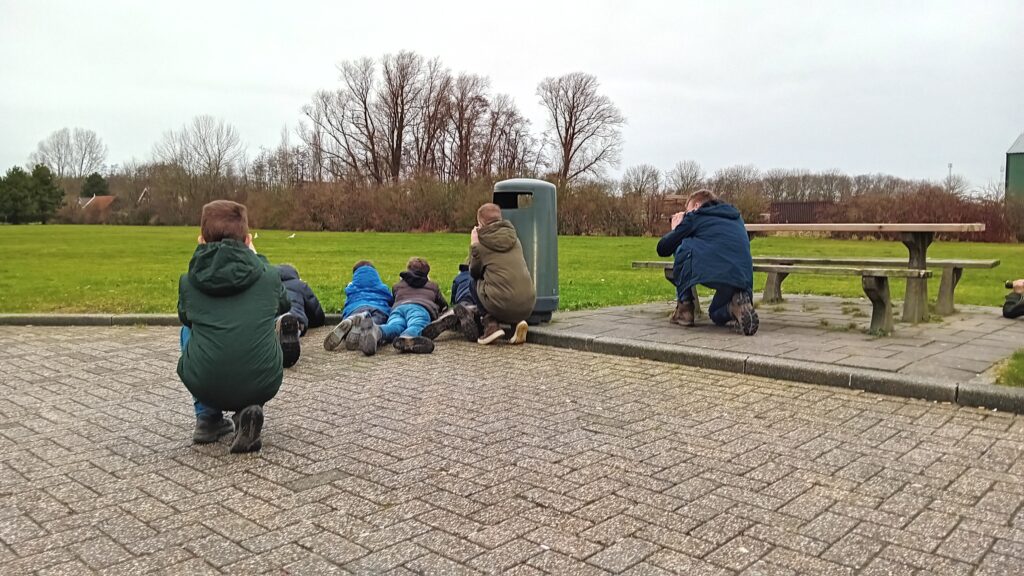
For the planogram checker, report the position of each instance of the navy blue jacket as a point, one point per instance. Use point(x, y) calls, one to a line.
point(711, 246)
point(367, 289)
point(305, 305)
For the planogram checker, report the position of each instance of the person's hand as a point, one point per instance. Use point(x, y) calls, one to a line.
point(474, 236)
point(677, 218)
point(1018, 286)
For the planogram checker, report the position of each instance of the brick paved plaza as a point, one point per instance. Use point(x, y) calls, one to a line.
point(486, 459)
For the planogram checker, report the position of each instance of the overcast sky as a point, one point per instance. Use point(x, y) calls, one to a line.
point(862, 86)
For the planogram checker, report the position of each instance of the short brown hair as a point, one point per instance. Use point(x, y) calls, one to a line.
point(701, 196)
point(224, 219)
point(362, 263)
point(417, 264)
point(488, 213)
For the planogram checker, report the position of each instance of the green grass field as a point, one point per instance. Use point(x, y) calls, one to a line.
point(117, 269)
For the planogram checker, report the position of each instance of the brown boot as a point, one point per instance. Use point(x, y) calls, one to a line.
point(492, 331)
point(683, 314)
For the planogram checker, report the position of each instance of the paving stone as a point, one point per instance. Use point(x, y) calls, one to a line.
point(623, 554)
point(589, 464)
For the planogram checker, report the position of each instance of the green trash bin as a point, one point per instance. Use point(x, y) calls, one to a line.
point(532, 208)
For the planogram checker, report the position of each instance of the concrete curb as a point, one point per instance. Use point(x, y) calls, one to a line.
point(103, 319)
point(972, 394)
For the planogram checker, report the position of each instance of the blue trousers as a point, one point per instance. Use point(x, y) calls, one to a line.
point(202, 410)
point(405, 320)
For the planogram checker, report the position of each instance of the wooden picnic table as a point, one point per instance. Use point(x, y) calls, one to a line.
point(916, 237)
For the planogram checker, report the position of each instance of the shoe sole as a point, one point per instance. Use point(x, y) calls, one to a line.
point(367, 341)
point(414, 346)
point(519, 337)
point(335, 339)
point(250, 426)
point(352, 339)
point(748, 322)
point(290, 347)
point(491, 338)
point(440, 326)
point(467, 323)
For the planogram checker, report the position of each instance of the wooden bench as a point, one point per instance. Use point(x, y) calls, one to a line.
point(952, 270)
point(875, 282)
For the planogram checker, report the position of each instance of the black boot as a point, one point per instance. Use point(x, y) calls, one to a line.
point(288, 333)
point(447, 321)
point(208, 430)
point(250, 424)
point(467, 315)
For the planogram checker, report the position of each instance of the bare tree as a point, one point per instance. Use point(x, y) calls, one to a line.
point(397, 100)
point(685, 177)
point(644, 183)
point(641, 180)
point(433, 110)
point(466, 112)
point(955, 184)
point(507, 147)
point(207, 146)
point(586, 126)
point(71, 153)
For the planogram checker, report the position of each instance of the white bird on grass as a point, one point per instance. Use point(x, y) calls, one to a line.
point(293, 235)
point(255, 235)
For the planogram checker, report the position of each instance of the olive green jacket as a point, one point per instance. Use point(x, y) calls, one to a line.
point(503, 281)
point(231, 298)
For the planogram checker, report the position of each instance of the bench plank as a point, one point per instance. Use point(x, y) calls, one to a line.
point(936, 263)
point(952, 271)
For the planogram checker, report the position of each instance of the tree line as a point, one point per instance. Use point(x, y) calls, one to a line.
point(404, 143)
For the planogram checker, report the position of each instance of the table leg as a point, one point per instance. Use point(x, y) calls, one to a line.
point(915, 304)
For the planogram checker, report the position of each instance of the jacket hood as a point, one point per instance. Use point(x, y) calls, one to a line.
point(499, 236)
point(288, 272)
point(719, 210)
point(415, 279)
point(366, 276)
point(224, 268)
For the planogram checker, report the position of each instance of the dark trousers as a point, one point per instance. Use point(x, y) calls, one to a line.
point(464, 290)
point(718, 311)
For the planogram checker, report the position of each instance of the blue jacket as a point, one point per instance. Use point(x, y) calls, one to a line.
point(711, 247)
point(305, 306)
point(367, 289)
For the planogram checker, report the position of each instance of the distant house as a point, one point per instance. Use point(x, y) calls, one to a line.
point(97, 210)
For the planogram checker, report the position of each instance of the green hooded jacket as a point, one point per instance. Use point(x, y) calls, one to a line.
point(497, 264)
point(231, 298)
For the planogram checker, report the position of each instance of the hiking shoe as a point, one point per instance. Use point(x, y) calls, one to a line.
point(352, 340)
point(492, 331)
point(683, 314)
point(447, 321)
point(742, 309)
point(466, 314)
point(519, 336)
point(250, 424)
point(208, 431)
point(369, 336)
point(335, 339)
point(414, 344)
point(288, 333)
